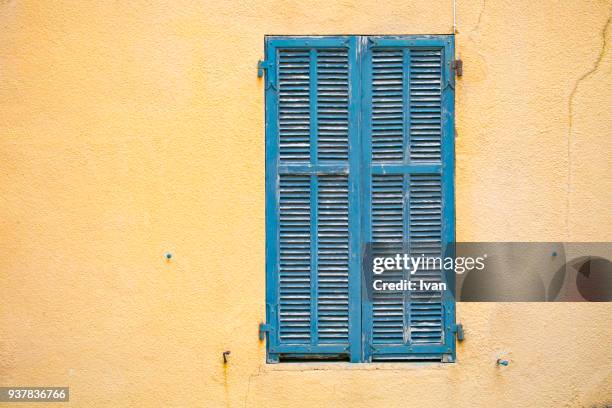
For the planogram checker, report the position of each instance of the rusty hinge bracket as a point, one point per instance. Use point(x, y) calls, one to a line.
point(457, 65)
point(263, 329)
point(458, 330)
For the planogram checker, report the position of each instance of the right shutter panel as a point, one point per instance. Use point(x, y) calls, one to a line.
point(406, 192)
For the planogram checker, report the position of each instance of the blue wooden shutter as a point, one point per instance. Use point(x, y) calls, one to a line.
point(408, 190)
point(359, 148)
point(312, 187)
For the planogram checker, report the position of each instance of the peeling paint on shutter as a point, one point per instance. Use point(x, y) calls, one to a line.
point(425, 238)
point(387, 106)
point(294, 105)
point(294, 271)
point(333, 260)
point(332, 104)
point(387, 230)
point(425, 105)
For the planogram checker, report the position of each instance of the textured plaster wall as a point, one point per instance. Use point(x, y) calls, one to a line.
point(132, 128)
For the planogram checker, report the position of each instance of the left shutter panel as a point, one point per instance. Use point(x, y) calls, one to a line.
point(310, 199)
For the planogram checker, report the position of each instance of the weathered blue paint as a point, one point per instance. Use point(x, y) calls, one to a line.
point(355, 239)
point(271, 207)
point(360, 170)
point(406, 168)
point(314, 192)
point(366, 197)
point(320, 168)
point(448, 189)
point(406, 180)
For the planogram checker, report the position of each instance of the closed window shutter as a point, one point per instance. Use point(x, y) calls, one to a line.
point(310, 117)
point(408, 199)
point(359, 149)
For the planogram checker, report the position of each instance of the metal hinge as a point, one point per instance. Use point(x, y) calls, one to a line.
point(266, 66)
point(457, 65)
point(263, 329)
point(458, 330)
point(261, 66)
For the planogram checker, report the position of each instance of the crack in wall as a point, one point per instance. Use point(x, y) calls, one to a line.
point(482, 9)
point(602, 51)
point(255, 372)
point(476, 29)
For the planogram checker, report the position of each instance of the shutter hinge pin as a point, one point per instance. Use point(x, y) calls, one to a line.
point(263, 329)
point(458, 329)
point(261, 66)
point(457, 65)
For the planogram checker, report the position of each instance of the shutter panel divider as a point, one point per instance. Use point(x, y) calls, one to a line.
point(356, 47)
point(314, 253)
point(406, 189)
point(314, 193)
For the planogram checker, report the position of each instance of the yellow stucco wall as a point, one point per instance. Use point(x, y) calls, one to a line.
point(132, 128)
